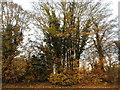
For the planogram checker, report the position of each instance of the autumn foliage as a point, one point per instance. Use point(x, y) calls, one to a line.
point(74, 49)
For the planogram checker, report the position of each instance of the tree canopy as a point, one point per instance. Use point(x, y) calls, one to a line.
point(76, 45)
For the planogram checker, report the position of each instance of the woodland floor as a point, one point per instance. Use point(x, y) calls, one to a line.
point(49, 85)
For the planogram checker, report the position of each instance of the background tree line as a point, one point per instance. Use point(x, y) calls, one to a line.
point(73, 32)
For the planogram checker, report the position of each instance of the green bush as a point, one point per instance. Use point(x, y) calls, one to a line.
point(61, 79)
point(39, 69)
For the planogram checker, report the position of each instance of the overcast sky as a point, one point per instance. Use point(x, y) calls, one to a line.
point(26, 4)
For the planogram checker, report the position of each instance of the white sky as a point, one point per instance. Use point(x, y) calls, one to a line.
point(26, 4)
